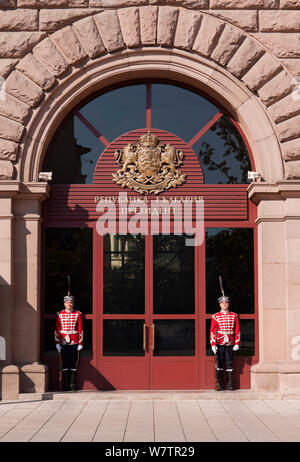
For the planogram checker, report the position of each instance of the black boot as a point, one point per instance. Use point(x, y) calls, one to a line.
point(219, 377)
point(229, 385)
point(65, 380)
point(72, 380)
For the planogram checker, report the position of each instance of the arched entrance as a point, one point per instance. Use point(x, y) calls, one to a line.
point(87, 56)
point(147, 296)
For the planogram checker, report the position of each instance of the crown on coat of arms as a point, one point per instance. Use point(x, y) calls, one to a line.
point(149, 140)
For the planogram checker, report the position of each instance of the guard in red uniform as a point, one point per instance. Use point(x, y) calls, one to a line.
point(69, 340)
point(224, 340)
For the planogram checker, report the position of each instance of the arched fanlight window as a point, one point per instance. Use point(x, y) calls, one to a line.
point(210, 132)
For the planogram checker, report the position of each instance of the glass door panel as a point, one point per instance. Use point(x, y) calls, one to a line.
point(174, 337)
point(173, 275)
point(124, 274)
point(123, 337)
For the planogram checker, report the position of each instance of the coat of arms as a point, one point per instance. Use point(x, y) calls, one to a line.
point(149, 166)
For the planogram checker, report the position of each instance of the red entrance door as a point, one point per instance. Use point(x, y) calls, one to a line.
point(148, 312)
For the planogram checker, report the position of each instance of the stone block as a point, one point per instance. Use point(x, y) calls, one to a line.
point(10, 129)
point(13, 108)
point(292, 170)
point(6, 65)
point(117, 3)
point(110, 30)
point(34, 378)
point(6, 173)
point(36, 71)
point(51, 57)
point(8, 3)
point(246, 56)
point(78, 3)
point(130, 26)
point(289, 129)
point(89, 37)
point(246, 20)
point(66, 40)
point(208, 35)
point(166, 27)
point(262, 72)
point(23, 89)
point(19, 19)
point(265, 377)
point(8, 150)
point(51, 20)
point(285, 109)
point(247, 4)
point(42, 3)
point(16, 45)
point(187, 29)
point(10, 382)
point(292, 65)
point(289, 3)
point(283, 45)
point(148, 18)
point(279, 21)
point(276, 88)
point(193, 4)
point(291, 150)
point(229, 42)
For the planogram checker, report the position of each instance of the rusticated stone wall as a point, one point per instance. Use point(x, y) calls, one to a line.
point(256, 41)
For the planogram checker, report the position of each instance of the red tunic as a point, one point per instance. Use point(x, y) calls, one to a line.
point(224, 329)
point(68, 328)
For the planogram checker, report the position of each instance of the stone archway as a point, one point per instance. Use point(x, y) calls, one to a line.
point(149, 41)
point(217, 56)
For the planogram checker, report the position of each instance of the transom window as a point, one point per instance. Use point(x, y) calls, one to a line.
point(212, 133)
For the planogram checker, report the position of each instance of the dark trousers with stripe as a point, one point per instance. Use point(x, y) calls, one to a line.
point(225, 357)
point(69, 357)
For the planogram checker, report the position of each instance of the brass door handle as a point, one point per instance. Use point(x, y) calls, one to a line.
point(144, 337)
point(153, 336)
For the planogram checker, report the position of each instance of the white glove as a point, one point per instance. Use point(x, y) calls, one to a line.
point(58, 347)
point(214, 349)
point(236, 348)
point(79, 347)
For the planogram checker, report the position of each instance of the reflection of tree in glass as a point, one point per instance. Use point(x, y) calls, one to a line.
point(229, 253)
point(228, 154)
point(66, 157)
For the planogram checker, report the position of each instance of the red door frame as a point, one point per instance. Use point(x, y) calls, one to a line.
point(149, 371)
point(205, 380)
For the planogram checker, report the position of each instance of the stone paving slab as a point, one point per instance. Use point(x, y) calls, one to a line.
point(150, 420)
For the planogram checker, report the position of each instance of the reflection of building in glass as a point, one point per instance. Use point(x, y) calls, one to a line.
point(119, 248)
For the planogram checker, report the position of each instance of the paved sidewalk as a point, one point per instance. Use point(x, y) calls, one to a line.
point(150, 420)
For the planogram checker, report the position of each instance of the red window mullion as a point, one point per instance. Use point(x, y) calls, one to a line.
point(148, 105)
